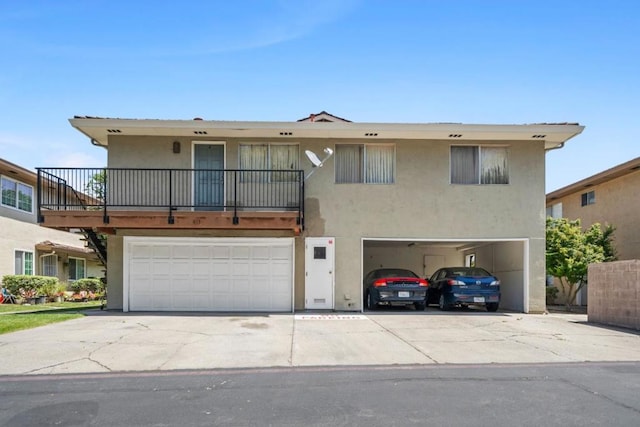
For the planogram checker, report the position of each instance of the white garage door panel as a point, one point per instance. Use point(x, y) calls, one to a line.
point(202, 274)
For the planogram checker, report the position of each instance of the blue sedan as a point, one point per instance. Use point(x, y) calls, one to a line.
point(463, 286)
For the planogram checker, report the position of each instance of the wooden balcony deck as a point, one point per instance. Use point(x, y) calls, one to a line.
point(184, 220)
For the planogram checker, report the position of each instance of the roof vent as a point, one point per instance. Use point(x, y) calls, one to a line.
point(200, 132)
point(538, 136)
point(370, 134)
point(455, 135)
point(114, 131)
point(286, 133)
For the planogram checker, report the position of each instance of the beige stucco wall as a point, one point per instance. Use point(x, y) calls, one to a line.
point(421, 204)
point(617, 203)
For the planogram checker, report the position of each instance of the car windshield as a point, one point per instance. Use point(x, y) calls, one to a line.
point(394, 272)
point(470, 271)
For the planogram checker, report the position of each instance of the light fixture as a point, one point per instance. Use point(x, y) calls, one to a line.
point(176, 147)
point(315, 160)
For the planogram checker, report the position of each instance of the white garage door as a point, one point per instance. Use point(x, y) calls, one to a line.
point(208, 274)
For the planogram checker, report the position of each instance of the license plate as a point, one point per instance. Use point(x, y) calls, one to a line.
point(403, 294)
point(478, 299)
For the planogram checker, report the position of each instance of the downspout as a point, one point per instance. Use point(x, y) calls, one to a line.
point(97, 144)
point(555, 148)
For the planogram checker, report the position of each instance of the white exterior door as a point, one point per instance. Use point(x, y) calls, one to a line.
point(319, 272)
point(208, 274)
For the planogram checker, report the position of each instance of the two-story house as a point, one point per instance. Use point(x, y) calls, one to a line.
point(27, 248)
point(282, 216)
point(609, 197)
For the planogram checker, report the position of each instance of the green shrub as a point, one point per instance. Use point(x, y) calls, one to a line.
point(29, 284)
point(88, 285)
point(552, 293)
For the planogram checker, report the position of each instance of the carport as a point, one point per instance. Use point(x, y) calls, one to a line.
point(508, 259)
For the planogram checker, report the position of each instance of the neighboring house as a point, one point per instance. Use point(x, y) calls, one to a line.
point(609, 197)
point(27, 248)
point(233, 216)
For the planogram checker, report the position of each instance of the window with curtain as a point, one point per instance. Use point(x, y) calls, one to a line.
point(23, 262)
point(472, 164)
point(76, 268)
point(16, 194)
point(49, 265)
point(365, 163)
point(280, 157)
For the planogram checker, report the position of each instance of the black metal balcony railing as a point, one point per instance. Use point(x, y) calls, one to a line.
point(110, 189)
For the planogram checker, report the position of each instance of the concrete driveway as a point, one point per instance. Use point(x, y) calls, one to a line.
point(110, 341)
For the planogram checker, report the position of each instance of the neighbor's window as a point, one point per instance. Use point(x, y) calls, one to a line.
point(555, 210)
point(76, 268)
point(49, 265)
point(365, 163)
point(588, 198)
point(17, 195)
point(23, 262)
point(472, 164)
point(274, 157)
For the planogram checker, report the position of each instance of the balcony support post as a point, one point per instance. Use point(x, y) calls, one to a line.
point(105, 217)
point(171, 219)
point(236, 220)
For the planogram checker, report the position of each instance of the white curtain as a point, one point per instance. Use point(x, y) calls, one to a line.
point(284, 157)
point(464, 164)
point(379, 164)
point(50, 265)
point(494, 165)
point(349, 159)
point(253, 157)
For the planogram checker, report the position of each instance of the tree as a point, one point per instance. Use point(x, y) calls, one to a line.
point(96, 187)
point(570, 250)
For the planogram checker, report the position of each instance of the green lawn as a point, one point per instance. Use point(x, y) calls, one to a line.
point(15, 317)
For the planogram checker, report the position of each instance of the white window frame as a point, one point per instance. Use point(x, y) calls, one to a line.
point(24, 262)
point(43, 268)
point(84, 269)
point(480, 168)
point(268, 161)
point(555, 210)
point(17, 190)
point(470, 260)
point(365, 163)
point(588, 198)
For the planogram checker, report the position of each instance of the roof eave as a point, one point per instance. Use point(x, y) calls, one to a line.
point(99, 130)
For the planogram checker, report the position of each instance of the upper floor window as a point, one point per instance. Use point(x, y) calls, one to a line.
point(472, 164)
point(365, 163)
point(555, 210)
point(275, 157)
point(23, 262)
point(76, 268)
point(588, 198)
point(17, 195)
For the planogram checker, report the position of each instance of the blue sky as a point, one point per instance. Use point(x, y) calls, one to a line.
point(464, 61)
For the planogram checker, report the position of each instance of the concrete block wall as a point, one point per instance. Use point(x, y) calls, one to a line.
point(614, 293)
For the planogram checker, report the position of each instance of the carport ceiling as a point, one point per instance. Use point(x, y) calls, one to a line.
point(459, 245)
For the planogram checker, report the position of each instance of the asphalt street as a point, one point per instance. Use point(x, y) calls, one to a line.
point(574, 394)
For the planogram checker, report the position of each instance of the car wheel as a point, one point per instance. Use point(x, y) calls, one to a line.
point(492, 306)
point(442, 304)
point(420, 306)
point(371, 302)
